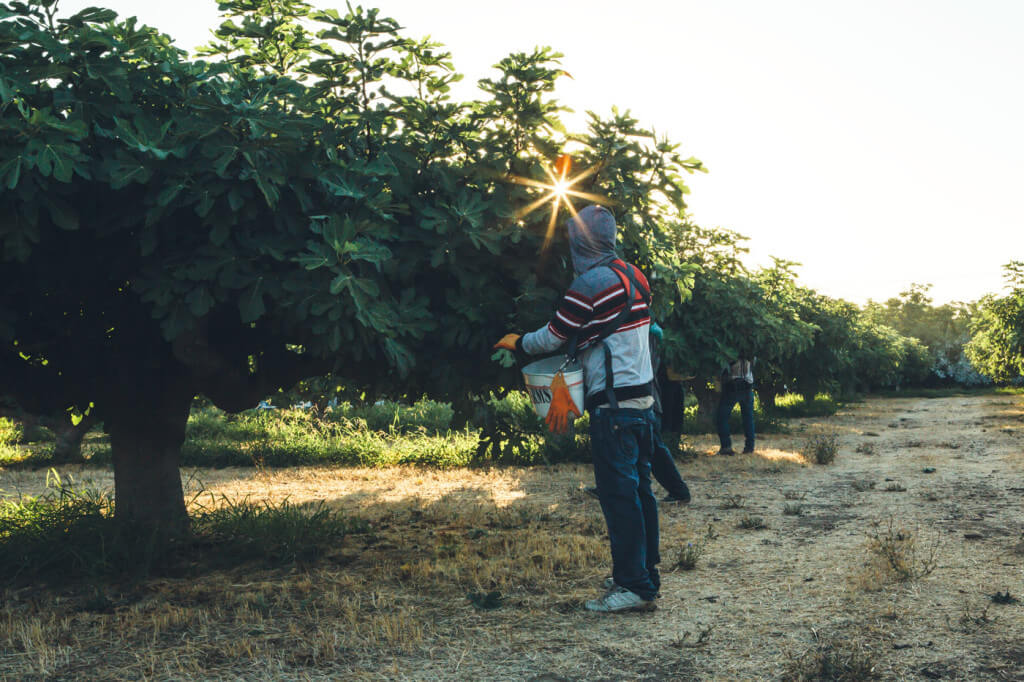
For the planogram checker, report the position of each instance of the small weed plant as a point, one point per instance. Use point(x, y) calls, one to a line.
point(898, 552)
point(837, 659)
point(691, 552)
point(733, 502)
point(1003, 598)
point(866, 448)
point(752, 523)
point(688, 555)
point(972, 622)
point(793, 509)
point(821, 447)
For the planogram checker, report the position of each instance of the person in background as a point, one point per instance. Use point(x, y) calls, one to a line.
point(737, 387)
point(604, 320)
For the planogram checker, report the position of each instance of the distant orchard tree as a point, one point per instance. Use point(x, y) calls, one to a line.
point(996, 348)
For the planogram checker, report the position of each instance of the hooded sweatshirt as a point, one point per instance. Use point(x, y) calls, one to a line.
point(594, 300)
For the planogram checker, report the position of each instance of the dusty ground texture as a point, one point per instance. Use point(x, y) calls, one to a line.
point(883, 563)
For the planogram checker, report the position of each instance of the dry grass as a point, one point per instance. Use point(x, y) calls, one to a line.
point(394, 603)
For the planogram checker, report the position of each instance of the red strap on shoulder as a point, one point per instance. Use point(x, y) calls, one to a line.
point(637, 295)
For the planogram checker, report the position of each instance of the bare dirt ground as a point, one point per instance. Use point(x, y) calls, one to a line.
point(886, 560)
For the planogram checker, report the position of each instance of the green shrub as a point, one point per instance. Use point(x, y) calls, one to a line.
point(793, 405)
point(512, 433)
point(10, 432)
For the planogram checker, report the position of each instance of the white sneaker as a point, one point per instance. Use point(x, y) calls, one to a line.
point(619, 599)
point(609, 583)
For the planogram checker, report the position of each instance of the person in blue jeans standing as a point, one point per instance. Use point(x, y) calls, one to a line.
point(604, 320)
point(737, 388)
point(663, 466)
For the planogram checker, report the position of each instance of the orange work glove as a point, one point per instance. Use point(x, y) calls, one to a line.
point(562, 405)
point(508, 342)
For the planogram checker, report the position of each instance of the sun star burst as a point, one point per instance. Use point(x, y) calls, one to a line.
point(557, 191)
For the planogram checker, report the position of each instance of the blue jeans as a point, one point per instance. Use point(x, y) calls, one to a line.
point(730, 397)
point(623, 442)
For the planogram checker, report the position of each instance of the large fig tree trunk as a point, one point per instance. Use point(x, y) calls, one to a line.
point(707, 403)
point(67, 446)
point(768, 394)
point(147, 428)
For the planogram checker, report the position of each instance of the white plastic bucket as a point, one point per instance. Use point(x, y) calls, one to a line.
point(539, 375)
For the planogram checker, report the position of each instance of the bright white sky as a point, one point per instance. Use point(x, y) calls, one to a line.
point(878, 142)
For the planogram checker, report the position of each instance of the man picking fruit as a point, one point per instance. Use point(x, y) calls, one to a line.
point(604, 320)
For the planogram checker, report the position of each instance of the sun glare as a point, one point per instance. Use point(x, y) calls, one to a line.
point(557, 192)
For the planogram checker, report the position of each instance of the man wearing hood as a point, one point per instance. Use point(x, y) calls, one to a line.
point(605, 317)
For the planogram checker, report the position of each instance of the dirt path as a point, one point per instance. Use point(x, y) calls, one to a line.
point(937, 482)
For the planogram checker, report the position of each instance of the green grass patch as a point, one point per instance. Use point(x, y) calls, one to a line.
point(295, 438)
point(278, 533)
point(506, 431)
point(67, 532)
point(70, 533)
point(792, 405)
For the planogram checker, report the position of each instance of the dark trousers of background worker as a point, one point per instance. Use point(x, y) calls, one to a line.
point(736, 392)
point(663, 467)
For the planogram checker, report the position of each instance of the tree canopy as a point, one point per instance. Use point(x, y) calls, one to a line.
point(307, 200)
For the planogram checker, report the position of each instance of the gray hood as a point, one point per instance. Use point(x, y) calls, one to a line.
point(591, 238)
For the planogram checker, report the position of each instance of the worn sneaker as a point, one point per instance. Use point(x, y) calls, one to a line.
point(618, 600)
point(592, 491)
point(748, 451)
point(727, 451)
point(609, 583)
point(672, 499)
